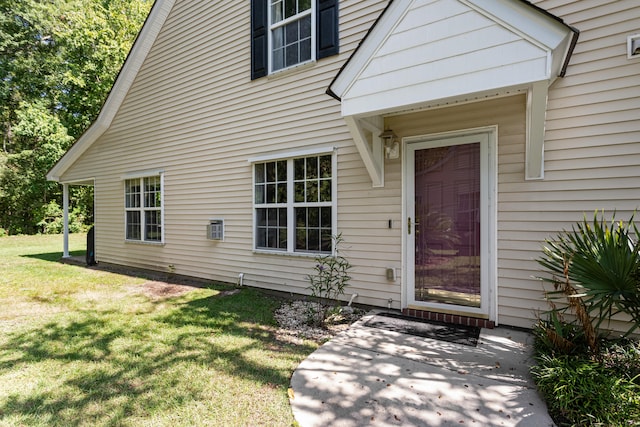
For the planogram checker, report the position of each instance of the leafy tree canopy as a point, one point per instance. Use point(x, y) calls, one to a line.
point(58, 61)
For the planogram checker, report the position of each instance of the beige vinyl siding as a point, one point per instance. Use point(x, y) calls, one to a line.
point(194, 113)
point(592, 144)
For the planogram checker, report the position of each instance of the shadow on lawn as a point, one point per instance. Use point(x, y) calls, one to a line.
point(101, 368)
point(54, 256)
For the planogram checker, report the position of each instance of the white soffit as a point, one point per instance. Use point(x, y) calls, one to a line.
point(423, 51)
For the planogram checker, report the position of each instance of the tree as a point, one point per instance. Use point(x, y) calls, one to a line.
point(25, 189)
point(58, 61)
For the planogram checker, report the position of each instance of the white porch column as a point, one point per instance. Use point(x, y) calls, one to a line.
point(65, 220)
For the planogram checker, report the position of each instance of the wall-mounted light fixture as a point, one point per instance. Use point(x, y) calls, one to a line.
point(391, 144)
point(633, 46)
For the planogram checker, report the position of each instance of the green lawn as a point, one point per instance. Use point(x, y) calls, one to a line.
point(85, 347)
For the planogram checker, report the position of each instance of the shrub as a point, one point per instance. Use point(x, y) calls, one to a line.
point(580, 391)
point(52, 221)
point(330, 277)
point(596, 266)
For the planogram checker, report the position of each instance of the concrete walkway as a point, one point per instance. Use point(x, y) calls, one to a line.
point(372, 377)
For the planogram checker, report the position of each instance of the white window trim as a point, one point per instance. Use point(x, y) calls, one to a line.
point(141, 176)
point(285, 155)
point(271, 27)
point(290, 205)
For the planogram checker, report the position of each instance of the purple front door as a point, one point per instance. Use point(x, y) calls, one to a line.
point(447, 224)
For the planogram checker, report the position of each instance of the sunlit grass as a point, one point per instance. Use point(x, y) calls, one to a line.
point(35, 283)
point(87, 347)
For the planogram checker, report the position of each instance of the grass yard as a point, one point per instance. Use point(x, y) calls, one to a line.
point(86, 347)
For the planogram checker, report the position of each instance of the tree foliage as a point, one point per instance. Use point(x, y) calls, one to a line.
point(58, 61)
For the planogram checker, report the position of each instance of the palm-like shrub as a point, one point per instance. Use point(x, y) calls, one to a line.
point(597, 266)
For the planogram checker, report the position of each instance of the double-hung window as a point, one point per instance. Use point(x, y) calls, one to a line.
point(294, 204)
point(143, 209)
point(291, 33)
point(286, 33)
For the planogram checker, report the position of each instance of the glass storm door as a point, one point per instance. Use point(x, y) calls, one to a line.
point(447, 221)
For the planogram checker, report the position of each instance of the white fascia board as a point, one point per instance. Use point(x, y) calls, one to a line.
point(372, 42)
point(536, 26)
point(523, 19)
point(559, 55)
point(143, 44)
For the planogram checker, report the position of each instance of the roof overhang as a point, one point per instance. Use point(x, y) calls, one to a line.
point(141, 47)
point(427, 54)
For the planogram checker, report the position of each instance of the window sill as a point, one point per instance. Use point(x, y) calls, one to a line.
point(289, 254)
point(142, 242)
point(291, 70)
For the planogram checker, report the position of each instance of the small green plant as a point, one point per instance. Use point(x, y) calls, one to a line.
point(330, 278)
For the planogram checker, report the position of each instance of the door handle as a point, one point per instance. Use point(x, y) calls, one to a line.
point(415, 225)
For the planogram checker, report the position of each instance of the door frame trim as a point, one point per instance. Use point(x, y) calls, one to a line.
point(491, 273)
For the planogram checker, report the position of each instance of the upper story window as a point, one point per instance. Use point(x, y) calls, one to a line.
point(291, 33)
point(285, 33)
point(143, 209)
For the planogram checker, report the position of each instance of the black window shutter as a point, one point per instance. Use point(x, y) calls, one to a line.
point(259, 54)
point(327, 27)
